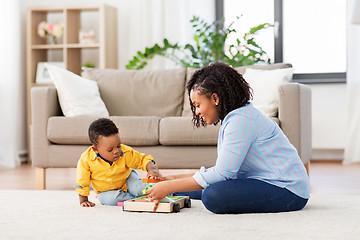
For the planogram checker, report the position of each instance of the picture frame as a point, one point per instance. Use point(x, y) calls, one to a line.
point(86, 37)
point(42, 73)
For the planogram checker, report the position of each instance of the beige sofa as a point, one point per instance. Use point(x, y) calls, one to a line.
point(152, 112)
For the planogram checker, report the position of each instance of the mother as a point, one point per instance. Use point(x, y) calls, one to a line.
point(257, 169)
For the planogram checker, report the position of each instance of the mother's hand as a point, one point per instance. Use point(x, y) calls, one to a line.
point(157, 192)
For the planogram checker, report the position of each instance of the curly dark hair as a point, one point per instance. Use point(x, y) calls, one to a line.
point(220, 78)
point(101, 127)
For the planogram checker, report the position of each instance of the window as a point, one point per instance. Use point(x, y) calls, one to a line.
point(317, 42)
point(252, 16)
point(311, 35)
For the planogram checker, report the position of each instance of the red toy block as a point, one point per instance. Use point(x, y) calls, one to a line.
point(150, 180)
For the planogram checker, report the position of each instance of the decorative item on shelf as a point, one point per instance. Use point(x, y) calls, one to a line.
point(89, 64)
point(42, 73)
point(210, 45)
point(51, 30)
point(86, 37)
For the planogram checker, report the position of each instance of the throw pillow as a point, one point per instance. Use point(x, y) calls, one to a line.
point(77, 96)
point(265, 84)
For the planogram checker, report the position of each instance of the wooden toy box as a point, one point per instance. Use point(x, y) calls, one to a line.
point(166, 205)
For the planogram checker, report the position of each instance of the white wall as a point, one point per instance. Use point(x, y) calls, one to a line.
point(329, 112)
point(329, 120)
point(352, 150)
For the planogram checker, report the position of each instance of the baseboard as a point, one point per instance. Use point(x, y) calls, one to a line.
point(327, 154)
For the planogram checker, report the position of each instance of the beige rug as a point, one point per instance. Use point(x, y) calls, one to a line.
point(57, 215)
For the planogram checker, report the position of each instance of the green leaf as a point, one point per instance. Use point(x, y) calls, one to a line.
point(156, 48)
point(140, 54)
point(136, 60)
point(259, 27)
point(192, 50)
point(147, 51)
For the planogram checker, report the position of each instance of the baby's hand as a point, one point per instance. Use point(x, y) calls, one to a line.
point(87, 204)
point(154, 174)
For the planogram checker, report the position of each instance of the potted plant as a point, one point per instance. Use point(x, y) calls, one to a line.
point(210, 46)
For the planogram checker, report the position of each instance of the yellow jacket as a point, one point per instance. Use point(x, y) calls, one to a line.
point(104, 177)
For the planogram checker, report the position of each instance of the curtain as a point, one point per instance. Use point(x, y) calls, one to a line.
point(352, 146)
point(12, 86)
point(150, 21)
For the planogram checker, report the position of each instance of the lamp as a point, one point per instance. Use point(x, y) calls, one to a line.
point(356, 13)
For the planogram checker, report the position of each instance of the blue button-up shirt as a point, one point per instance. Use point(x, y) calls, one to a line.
point(250, 145)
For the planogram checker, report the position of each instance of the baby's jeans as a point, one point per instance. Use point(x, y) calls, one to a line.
point(135, 186)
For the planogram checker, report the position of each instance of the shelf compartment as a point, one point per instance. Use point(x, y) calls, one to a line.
point(37, 15)
point(76, 57)
point(44, 55)
point(76, 17)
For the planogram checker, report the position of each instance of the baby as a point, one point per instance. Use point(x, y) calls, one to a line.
point(108, 164)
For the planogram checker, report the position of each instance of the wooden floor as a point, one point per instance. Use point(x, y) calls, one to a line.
point(325, 177)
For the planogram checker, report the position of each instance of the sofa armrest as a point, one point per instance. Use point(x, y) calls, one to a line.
point(44, 104)
point(295, 117)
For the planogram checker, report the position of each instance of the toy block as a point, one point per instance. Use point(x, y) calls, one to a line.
point(150, 180)
point(147, 187)
point(166, 205)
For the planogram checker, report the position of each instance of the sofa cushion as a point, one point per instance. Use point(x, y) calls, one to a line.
point(134, 131)
point(189, 71)
point(140, 92)
point(180, 131)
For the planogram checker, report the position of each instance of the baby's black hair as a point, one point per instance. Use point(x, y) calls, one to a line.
point(220, 78)
point(101, 127)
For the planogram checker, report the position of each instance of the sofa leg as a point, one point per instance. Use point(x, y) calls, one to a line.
point(307, 167)
point(40, 178)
